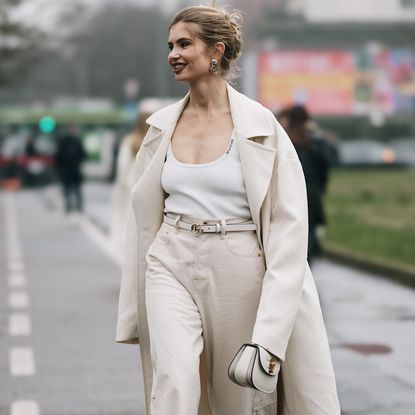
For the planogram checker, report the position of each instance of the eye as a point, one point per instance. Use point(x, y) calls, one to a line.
point(184, 44)
point(170, 46)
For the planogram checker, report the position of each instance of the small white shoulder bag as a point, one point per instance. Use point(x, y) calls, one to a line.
point(255, 367)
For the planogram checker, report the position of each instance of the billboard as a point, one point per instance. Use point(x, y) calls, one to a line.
point(338, 82)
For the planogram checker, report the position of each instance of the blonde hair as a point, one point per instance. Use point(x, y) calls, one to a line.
point(140, 130)
point(214, 25)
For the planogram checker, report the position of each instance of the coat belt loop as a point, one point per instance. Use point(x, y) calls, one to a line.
point(222, 228)
point(176, 221)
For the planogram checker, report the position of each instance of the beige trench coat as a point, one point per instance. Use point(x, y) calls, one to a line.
point(289, 321)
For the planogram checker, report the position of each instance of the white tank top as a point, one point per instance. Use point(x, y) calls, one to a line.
point(213, 190)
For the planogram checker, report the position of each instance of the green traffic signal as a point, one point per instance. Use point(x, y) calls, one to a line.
point(47, 124)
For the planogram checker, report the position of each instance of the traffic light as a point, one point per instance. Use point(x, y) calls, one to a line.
point(47, 124)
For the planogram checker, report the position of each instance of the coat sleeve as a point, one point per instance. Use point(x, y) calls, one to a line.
point(285, 249)
point(127, 324)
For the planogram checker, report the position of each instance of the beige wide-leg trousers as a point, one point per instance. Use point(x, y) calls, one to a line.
point(202, 294)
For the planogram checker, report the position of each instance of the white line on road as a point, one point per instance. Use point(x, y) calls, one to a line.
point(21, 359)
point(22, 362)
point(16, 265)
point(14, 251)
point(13, 243)
point(18, 299)
point(17, 280)
point(25, 408)
point(14, 255)
point(12, 238)
point(99, 238)
point(19, 324)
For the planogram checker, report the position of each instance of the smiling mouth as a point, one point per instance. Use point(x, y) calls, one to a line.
point(178, 67)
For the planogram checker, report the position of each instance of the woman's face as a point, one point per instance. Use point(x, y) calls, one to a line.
point(189, 56)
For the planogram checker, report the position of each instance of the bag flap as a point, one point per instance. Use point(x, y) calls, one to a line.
point(269, 363)
point(261, 378)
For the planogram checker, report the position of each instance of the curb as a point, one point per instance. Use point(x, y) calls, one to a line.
point(403, 274)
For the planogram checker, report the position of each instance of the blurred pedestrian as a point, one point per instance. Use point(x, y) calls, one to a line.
point(68, 160)
point(217, 246)
point(283, 117)
point(130, 144)
point(314, 158)
point(127, 152)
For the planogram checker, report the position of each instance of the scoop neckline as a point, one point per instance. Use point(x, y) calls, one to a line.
point(210, 163)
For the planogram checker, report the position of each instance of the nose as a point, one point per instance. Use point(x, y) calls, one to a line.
point(173, 55)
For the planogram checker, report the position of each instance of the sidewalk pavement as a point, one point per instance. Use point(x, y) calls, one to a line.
point(370, 323)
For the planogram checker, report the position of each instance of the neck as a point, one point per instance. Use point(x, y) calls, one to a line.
point(208, 96)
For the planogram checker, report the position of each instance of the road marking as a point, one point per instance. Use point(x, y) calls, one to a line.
point(14, 255)
point(99, 238)
point(25, 408)
point(22, 362)
point(17, 280)
point(16, 266)
point(21, 359)
point(18, 299)
point(13, 244)
point(19, 324)
point(14, 251)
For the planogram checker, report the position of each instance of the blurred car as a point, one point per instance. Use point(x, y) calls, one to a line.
point(27, 158)
point(365, 153)
point(404, 149)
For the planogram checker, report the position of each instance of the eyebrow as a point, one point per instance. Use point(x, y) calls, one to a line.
point(180, 40)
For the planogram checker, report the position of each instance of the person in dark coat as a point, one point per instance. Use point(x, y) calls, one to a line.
point(315, 162)
point(68, 159)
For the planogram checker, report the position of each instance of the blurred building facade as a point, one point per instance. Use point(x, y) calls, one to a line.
point(358, 11)
point(324, 22)
point(351, 63)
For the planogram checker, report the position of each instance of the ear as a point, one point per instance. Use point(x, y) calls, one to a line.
point(218, 50)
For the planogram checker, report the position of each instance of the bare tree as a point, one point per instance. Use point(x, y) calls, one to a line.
point(93, 54)
point(18, 44)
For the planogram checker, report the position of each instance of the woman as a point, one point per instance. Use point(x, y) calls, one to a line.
point(129, 147)
point(211, 162)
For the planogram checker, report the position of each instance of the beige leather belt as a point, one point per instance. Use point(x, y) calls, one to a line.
point(201, 227)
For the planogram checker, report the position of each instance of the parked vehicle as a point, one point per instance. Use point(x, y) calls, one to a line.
point(365, 153)
point(26, 157)
point(404, 149)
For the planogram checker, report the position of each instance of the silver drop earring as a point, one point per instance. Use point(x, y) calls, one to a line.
point(214, 66)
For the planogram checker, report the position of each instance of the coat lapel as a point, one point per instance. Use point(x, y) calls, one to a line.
point(257, 163)
point(148, 193)
point(257, 160)
point(149, 184)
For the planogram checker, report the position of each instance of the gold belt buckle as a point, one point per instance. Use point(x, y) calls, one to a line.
point(196, 228)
